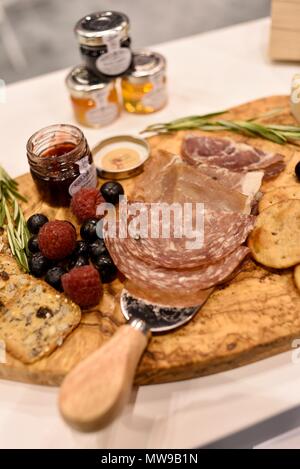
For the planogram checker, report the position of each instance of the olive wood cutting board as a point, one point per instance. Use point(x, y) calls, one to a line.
point(254, 316)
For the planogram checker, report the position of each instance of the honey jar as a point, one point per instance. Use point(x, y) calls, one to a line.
point(104, 43)
point(95, 101)
point(60, 163)
point(144, 88)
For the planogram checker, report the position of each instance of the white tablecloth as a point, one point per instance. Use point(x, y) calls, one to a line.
point(207, 72)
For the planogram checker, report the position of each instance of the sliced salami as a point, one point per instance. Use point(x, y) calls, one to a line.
point(178, 280)
point(226, 153)
point(223, 233)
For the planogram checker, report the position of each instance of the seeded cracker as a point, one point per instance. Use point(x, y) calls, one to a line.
point(274, 242)
point(279, 195)
point(36, 321)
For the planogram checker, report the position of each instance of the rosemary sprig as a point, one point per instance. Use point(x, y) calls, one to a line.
point(252, 127)
point(12, 218)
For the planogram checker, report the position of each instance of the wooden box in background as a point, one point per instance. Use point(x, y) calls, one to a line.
point(285, 30)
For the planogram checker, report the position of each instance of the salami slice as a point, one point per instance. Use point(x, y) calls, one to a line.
point(167, 297)
point(226, 153)
point(223, 233)
point(178, 280)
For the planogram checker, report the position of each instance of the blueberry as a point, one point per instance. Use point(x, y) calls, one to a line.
point(107, 269)
point(97, 248)
point(33, 244)
point(111, 191)
point(53, 277)
point(82, 249)
point(78, 262)
point(297, 170)
point(88, 230)
point(35, 222)
point(38, 264)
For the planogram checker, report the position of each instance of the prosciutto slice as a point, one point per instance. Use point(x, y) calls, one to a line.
point(168, 179)
point(234, 156)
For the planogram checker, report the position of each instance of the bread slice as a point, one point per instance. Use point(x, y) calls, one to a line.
point(274, 242)
point(36, 320)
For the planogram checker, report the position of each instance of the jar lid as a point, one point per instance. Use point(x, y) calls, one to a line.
point(120, 156)
point(145, 64)
point(82, 80)
point(92, 29)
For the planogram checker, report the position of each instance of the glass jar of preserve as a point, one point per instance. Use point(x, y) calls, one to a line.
point(144, 88)
point(60, 163)
point(105, 43)
point(95, 101)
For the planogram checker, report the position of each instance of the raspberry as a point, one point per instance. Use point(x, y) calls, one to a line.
point(57, 239)
point(84, 203)
point(83, 285)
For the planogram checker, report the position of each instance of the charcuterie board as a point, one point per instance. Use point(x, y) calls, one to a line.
point(254, 316)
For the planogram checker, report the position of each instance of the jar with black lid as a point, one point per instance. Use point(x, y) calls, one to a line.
point(104, 43)
point(61, 163)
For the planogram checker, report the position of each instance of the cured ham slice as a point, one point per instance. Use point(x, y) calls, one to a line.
point(223, 233)
point(226, 153)
point(167, 179)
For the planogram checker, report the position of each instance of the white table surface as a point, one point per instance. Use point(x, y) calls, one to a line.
point(207, 72)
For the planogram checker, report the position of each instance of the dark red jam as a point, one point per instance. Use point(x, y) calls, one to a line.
point(60, 162)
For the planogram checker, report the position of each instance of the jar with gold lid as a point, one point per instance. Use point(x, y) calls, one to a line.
point(105, 42)
point(144, 88)
point(95, 101)
point(60, 162)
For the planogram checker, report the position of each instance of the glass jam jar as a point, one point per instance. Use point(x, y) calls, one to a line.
point(60, 163)
point(105, 43)
point(95, 101)
point(144, 88)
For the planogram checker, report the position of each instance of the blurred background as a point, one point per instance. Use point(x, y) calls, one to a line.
point(36, 36)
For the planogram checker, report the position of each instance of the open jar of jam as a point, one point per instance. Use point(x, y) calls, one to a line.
point(95, 101)
point(60, 163)
point(144, 88)
point(104, 43)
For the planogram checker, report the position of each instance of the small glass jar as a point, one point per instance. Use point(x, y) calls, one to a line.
point(105, 43)
point(60, 163)
point(95, 101)
point(144, 88)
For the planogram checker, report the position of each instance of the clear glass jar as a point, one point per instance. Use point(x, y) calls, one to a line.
point(144, 88)
point(95, 102)
point(60, 163)
point(105, 43)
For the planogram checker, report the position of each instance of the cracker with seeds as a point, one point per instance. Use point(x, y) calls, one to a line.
point(279, 195)
point(274, 242)
point(37, 321)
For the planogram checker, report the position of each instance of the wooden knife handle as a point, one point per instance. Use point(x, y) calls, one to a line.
point(95, 391)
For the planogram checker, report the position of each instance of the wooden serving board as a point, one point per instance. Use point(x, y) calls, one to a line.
point(254, 316)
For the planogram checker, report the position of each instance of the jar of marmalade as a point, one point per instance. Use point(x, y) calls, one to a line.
point(105, 43)
point(144, 88)
point(60, 163)
point(95, 101)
